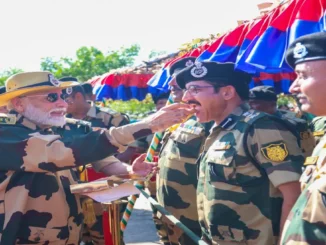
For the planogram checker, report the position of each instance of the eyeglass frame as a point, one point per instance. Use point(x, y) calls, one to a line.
point(195, 87)
point(64, 97)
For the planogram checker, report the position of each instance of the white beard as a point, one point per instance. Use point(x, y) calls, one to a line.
point(40, 117)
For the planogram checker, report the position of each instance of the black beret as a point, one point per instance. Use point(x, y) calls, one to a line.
point(68, 79)
point(307, 48)
point(181, 64)
point(2, 89)
point(266, 93)
point(214, 72)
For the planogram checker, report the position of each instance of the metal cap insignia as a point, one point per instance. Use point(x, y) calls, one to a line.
point(198, 70)
point(53, 80)
point(299, 51)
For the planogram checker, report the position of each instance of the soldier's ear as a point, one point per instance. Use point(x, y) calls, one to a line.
point(17, 104)
point(228, 92)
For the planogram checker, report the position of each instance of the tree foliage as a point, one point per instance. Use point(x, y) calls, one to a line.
point(155, 53)
point(90, 62)
point(7, 73)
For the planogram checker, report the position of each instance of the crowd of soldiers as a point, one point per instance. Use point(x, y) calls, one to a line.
point(232, 167)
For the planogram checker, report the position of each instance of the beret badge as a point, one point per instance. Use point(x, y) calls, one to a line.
point(299, 51)
point(198, 70)
point(53, 80)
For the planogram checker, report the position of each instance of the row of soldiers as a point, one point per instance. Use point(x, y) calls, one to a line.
point(236, 182)
point(230, 173)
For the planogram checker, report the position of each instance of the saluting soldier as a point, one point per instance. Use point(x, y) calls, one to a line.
point(264, 98)
point(36, 164)
point(250, 165)
point(306, 223)
point(177, 180)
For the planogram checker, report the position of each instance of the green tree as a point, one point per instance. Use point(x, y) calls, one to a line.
point(7, 73)
point(155, 53)
point(90, 62)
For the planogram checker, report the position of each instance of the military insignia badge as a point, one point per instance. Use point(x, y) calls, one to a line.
point(53, 80)
point(8, 119)
point(189, 63)
point(69, 90)
point(311, 161)
point(299, 51)
point(275, 152)
point(198, 70)
point(319, 133)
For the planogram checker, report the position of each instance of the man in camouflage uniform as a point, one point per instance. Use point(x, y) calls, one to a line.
point(306, 223)
point(80, 108)
point(36, 164)
point(177, 180)
point(251, 164)
point(264, 98)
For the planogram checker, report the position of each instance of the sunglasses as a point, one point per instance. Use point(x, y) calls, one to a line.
point(51, 97)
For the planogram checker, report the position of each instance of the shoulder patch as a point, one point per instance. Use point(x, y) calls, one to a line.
point(310, 161)
point(8, 119)
point(275, 152)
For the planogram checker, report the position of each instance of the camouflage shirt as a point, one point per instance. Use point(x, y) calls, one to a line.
point(306, 223)
point(177, 182)
point(305, 136)
point(237, 195)
point(318, 127)
point(103, 117)
point(36, 204)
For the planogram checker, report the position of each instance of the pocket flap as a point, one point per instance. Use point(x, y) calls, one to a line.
point(183, 137)
point(219, 157)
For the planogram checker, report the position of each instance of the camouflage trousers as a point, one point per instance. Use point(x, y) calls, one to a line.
point(93, 231)
point(170, 234)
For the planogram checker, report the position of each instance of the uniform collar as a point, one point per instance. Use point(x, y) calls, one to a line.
point(25, 122)
point(229, 122)
point(92, 111)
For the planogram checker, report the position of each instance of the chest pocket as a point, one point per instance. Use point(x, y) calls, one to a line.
point(183, 146)
point(226, 166)
point(221, 166)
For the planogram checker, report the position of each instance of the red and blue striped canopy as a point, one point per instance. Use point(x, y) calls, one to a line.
point(258, 46)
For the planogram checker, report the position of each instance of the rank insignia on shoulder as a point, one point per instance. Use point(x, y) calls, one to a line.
point(305, 135)
point(310, 161)
point(190, 129)
point(7, 119)
point(110, 111)
point(217, 146)
point(319, 133)
point(275, 152)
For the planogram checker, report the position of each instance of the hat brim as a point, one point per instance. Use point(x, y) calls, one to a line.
point(6, 97)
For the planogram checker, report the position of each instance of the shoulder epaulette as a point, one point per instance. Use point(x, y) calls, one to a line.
point(8, 119)
point(78, 122)
point(252, 115)
point(109, 111)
